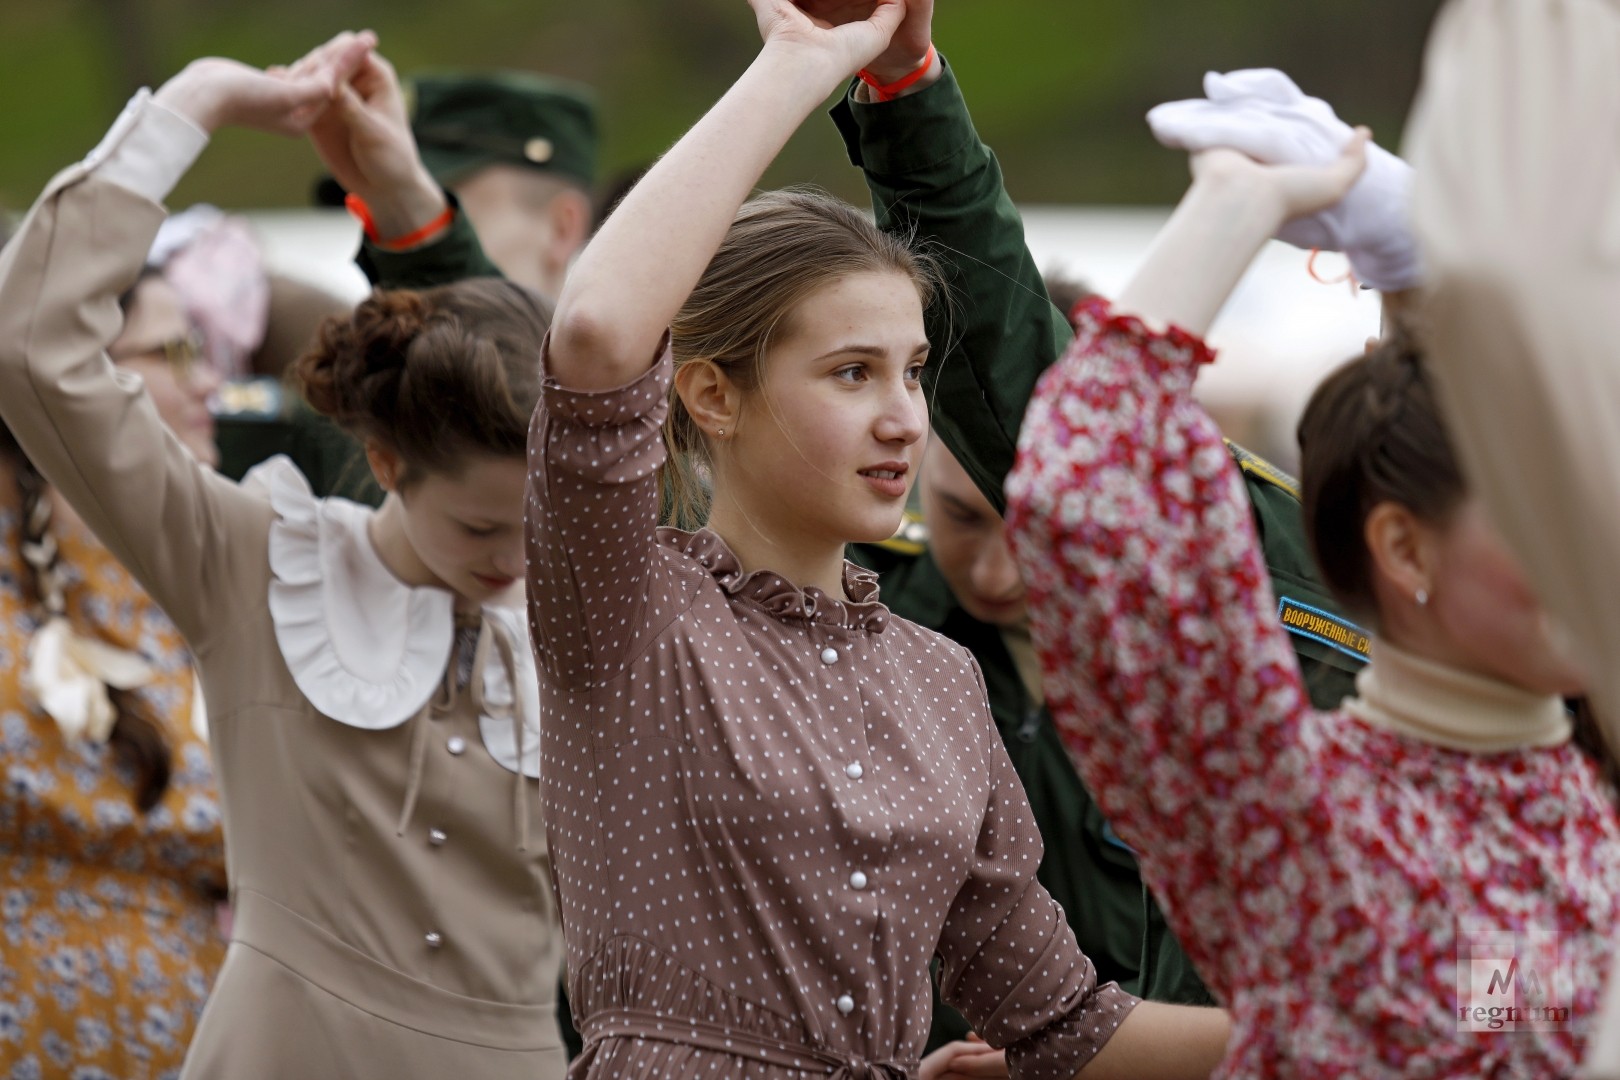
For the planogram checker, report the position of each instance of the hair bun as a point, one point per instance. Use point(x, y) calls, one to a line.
point(353, 371)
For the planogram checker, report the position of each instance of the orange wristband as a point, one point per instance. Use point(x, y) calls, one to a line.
point(890, 91)
point(362, 213)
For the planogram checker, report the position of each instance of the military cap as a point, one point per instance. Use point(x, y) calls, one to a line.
point(464, 121)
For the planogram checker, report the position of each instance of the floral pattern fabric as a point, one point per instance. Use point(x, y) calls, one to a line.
point(108, 935)
point(1321, 871)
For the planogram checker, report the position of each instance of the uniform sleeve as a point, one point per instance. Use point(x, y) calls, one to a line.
point(455, 256)
point(932, 177)
point(591, 523)
point(91, 429)
point(1517, 206)
point(1009, 959)
point(1167, 672)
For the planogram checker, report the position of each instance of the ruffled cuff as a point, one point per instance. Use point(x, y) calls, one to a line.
point(1094, 318)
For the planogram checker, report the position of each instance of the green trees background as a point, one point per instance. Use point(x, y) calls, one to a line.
point(1059, 87)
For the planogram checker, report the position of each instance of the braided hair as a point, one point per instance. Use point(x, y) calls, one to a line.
point(137, 736)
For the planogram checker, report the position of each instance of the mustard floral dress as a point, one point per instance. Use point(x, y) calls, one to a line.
point(108, 934)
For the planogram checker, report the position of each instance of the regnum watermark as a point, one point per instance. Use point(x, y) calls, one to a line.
point(1514, 980)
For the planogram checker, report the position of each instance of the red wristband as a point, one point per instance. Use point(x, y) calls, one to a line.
point(890, 91)
point(362, 213)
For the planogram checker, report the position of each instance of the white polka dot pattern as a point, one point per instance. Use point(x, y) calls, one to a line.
point(767, 808)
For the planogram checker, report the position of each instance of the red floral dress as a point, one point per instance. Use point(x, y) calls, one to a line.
point(1344, 889)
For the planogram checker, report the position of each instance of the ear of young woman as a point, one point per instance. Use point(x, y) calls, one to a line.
point(633, 277)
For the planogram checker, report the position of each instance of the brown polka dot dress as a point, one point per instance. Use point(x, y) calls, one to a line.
point(768, 808)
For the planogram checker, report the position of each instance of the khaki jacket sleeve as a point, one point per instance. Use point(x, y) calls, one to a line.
point(1518, 210)
point(91, 429)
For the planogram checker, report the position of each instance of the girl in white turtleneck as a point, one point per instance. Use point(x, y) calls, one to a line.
point(1347, 882)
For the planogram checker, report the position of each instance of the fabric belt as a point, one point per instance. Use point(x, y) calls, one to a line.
point(820, 1061)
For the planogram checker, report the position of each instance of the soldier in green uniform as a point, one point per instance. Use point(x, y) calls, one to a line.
point(517, 153)
point(929, 173)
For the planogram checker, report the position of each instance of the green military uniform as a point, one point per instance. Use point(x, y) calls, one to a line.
point(930, 174)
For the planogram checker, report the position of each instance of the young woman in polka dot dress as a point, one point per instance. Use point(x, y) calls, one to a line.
point(769, 803)
point(1419, 884)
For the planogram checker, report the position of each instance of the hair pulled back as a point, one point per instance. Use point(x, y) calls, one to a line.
point(437, 376)
point(782, 247)
point(1372, 433)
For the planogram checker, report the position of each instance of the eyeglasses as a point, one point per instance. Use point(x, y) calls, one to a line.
point(182, 353)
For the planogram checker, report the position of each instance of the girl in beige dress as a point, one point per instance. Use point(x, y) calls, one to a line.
point(370, 694)
point(770, 802)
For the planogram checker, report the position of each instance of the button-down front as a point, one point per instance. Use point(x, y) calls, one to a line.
point(857, 880)
point(437, 837)
point(698, 805)
point(854, 770)
point(829, 655)
point(456, 745)
point(846, 1004)
point(433, 938)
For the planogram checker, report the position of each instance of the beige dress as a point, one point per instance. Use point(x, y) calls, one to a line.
point(393, 908)
point(770, 808)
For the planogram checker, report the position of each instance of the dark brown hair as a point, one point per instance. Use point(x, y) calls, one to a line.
point(137, 737)
point(782, 247)
point(437, 375)
point(1372, 433)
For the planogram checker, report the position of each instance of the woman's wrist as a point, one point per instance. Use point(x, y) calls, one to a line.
point(189, 94)
point(817, 73)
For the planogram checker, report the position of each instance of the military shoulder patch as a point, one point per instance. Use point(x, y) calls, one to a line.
point(911, 538)
point(1325, 627)
point(1254, 465)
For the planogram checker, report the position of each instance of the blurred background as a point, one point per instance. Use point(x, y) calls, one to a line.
point(1057, 87)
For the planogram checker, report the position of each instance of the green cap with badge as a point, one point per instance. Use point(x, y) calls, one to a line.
point(464, 121)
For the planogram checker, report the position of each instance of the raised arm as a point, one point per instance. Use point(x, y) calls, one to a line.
point(1517, 207)
point(92, 431)
point(1149, 598)
point(595, 447)
point(931, 176)
point(633, 277)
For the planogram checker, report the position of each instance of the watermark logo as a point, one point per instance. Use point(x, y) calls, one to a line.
point(1514, 980)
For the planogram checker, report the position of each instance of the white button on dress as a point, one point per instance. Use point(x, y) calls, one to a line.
point(854, 770)
point(857, 881)
point(846, 1004)
point(433, 938)
point(456, 745)
point(829, 655)
point(437, 837)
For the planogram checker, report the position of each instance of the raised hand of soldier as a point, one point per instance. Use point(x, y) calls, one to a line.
point(849, 45)
point(365, 140)
point(908, 48)
point(215, 92)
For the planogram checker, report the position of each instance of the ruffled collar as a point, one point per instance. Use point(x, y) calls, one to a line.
point(366, 649)
point(1451, 708)
point(780, 598)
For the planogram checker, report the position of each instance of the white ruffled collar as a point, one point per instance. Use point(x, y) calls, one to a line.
point(368, 650)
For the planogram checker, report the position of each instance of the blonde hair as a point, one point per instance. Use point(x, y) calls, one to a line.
point(782, 247)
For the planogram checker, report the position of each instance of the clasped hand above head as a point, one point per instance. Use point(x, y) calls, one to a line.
point(346, 98)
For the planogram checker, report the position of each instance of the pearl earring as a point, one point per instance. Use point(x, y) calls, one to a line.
point(1422, 597)
point(722, 433)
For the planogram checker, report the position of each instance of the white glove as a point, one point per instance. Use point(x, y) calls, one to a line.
point(1261, 113)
